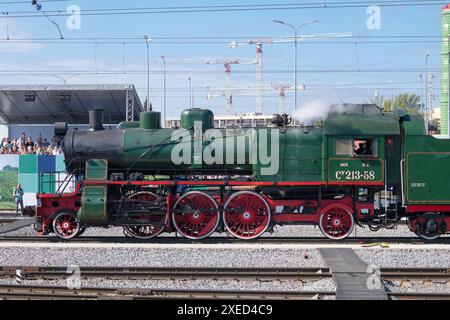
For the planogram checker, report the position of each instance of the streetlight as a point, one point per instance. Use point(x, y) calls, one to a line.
point(426, 88)
point(296, 48)
point(391, 83)
point(421, 95)
point(165, 98)
point(147, 42)
point(191, 96)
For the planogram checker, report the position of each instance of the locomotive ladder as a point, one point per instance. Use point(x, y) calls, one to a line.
point(354, 279)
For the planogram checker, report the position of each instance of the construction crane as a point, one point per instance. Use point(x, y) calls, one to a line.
point(281, 89)
point(227, 63)
point(274, 40)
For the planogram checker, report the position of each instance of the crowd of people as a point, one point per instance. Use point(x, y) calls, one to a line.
point(26, 145)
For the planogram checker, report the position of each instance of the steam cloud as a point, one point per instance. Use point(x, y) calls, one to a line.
point(316, 110)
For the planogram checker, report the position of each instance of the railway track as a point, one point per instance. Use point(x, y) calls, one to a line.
point(13, 292)
point(239, 274)
point(224, 240)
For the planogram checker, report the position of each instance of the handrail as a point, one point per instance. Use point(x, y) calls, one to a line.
point(401, 182)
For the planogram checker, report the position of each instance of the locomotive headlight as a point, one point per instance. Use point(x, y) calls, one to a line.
point(365, 211)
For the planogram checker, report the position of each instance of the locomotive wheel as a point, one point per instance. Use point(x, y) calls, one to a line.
point(66, 225)
point(195, 215)
point(246, 215)
point(336, 222)
point(145, 231)
point(427, 236)
point(422, 233)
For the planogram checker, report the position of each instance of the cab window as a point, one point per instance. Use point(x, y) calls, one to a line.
point(365, 148)
point(356, 147)
point(344, 147)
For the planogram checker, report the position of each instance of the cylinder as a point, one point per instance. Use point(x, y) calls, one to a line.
point(96, 119)
point(61, 129)
point(190, 116)
point(150, 120)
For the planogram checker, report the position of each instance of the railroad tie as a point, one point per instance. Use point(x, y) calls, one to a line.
point(354, 280)
point(16, 225)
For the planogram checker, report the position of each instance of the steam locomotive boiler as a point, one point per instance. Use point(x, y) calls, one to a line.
point(361, 166)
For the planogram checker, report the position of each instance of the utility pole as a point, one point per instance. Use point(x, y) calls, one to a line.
point(147, 42)
point(296, 29)
point(165, 91)
point(191, 98)
point(275, 40)
point(426, 89)
point(421, 96)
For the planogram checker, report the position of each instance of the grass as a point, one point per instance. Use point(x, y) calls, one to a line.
point(7, 206)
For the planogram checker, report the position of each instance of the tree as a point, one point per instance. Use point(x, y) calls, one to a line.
point(410, 103)
point(381, 102)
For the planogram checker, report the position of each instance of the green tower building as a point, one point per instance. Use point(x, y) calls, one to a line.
point(445, 69)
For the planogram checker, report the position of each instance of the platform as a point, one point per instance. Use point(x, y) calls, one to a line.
point(351, 275)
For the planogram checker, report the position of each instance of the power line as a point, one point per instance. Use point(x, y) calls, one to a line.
point(28, 2)
point(206, 72)
point(62, 42)
point(231, 8)
point(228, 38)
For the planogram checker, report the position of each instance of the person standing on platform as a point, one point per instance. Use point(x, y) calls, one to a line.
point(18, 198)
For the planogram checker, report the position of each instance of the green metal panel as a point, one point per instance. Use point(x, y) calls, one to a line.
point(93, 206)
point(430, 185)
point(97, 169)
point(371, 169)
point(300, 154)
point(357, 124)
point(426, 170)
point(355, 170)
point(29, 182)
point(28, 164)
point(415, 126)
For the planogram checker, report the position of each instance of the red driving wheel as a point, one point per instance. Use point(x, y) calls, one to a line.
point(145, 229)
point(66, 225)
point(246, 215)
point(195, 215)
point(336, 222)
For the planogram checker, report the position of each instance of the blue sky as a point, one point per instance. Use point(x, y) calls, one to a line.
point(66, 59)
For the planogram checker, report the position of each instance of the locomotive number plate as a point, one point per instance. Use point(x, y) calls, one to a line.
point(355, 170)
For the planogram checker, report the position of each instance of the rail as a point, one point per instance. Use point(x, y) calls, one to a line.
point(260, 274)
point(12, 292)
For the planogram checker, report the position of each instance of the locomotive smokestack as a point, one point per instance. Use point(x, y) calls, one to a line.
point(96, 120)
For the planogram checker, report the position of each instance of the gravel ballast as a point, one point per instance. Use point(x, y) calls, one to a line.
point(406, 258)
point(164, 257)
